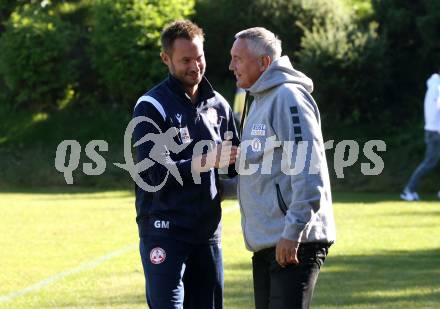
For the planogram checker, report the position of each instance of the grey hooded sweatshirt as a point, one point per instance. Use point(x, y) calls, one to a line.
point(284, 188)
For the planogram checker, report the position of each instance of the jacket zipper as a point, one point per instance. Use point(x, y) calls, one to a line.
point(244, 216)
point(281, 204)
point(243, 212)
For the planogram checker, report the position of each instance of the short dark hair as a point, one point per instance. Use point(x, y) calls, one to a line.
point(180, 29)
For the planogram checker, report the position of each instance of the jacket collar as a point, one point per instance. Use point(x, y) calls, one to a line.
point(205, 90)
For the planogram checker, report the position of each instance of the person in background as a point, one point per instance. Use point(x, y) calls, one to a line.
point(432, 139)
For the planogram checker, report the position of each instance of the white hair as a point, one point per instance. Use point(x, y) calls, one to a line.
point(261, 42)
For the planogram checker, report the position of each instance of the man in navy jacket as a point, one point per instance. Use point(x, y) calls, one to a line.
point(185, 135)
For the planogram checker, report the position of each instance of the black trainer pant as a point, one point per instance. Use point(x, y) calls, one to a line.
point(290, 287)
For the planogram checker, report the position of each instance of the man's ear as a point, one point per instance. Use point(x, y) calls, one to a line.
point(165, 57)
point(265, 63)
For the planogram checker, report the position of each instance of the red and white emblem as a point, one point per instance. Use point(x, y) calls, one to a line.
point(157, 255)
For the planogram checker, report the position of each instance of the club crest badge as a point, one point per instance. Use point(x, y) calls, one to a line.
point(256, 145)
point(157, 255)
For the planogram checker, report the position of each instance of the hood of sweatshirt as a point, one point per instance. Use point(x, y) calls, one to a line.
point(279, 72)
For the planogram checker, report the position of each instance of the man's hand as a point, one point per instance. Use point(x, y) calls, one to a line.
point(286, 252)
point(221, 156)
point(226, 154)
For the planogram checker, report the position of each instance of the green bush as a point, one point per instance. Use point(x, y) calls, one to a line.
point(411, 33)
point(6, 9)
point(348, 69)
point(34, 59)
point(221, 19)
point(125, 45)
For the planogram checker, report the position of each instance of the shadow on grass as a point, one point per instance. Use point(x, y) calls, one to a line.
point(380, 280)
point(338, 197)
point(413, 214)
point(68, 189)
point(373, 198)
point(387, 280)
point(395, 279)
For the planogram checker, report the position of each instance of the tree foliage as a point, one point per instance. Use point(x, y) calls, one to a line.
point(221, 19)
point(368, 59)
point(92, 50)
point(410, 31)
point(341, 58)
point(35, 60)
point(125, 47)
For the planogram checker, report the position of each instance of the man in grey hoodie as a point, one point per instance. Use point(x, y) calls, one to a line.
point(284, 188)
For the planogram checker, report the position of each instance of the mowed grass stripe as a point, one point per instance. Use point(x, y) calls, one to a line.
point(46, 234)
point(386, 255)
point(83, 267)
point(49, 207)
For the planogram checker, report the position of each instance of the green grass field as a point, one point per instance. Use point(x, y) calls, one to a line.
point(79, 250)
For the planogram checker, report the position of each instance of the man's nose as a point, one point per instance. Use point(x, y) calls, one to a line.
point(195, 66)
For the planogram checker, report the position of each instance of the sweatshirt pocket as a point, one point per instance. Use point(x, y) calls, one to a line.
point(281, 204)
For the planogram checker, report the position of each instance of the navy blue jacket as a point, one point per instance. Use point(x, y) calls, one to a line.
point(188, 211)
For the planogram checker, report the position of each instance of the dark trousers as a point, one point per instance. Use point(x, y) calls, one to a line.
point(290, 287)
point(432, 156)
point(182, 275)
